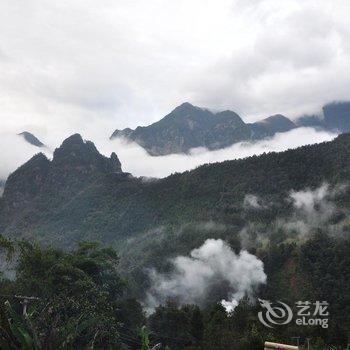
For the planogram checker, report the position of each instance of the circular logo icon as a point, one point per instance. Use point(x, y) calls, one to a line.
point(274, 314)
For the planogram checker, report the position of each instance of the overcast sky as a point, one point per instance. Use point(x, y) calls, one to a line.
point(93, 66)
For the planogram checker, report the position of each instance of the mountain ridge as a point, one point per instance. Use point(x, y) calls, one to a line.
point(94, 197)
point(188, 126)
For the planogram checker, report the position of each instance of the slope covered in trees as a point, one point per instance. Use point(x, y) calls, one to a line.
point(289, 209)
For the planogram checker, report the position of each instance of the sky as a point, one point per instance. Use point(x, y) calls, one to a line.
point(93, 66)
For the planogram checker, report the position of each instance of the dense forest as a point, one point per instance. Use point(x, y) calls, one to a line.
point(290, 210)
point(77, 300)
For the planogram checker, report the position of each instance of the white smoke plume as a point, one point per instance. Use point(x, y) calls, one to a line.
point(209, 265)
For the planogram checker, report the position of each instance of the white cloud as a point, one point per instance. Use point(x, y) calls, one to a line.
point(209, 265)
point(314, 209)
point(252, 201)
point(14, 152)
point(92, 67)
point(134, 159)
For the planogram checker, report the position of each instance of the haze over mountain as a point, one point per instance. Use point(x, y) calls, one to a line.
point(188, 127)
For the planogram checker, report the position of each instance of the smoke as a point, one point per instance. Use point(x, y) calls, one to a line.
point(210, 265)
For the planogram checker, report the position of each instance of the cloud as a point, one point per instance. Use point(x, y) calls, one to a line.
point(135, 159)
point(14, 152)
point(308, 200)
point(211, 264)
point(88, 67)
point(252, 201)
point(314, 209)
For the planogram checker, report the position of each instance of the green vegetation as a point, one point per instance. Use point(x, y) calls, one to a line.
point(89, 295)
point(78, 300)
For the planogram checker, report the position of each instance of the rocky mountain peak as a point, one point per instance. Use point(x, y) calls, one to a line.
point(75, 164)
point(184, 108)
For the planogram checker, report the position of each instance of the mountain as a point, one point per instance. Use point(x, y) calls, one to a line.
point(30, 138)
point(2, 186)
point(41, 185)
point(83, 196)
point(270, 126)
point(81, 193)
point(188, 127)
point(335, 117)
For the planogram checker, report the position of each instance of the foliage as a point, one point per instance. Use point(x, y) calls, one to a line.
point(80, 296)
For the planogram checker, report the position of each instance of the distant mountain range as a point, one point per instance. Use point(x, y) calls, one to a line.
point(188, 126)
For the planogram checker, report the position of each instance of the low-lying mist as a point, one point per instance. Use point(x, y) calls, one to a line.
point(134, 159)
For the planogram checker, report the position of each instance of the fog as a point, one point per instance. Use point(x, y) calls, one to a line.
point(136, 160)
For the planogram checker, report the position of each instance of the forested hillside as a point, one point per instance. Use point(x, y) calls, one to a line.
point(86, 196)
point(290, 209)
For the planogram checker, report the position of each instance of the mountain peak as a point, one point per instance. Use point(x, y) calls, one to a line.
point(75, 164)
point(271, 125)
point(185, 106)
point(186, 127)
point(74, 139)
point(83, 156)
point(30, 138)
